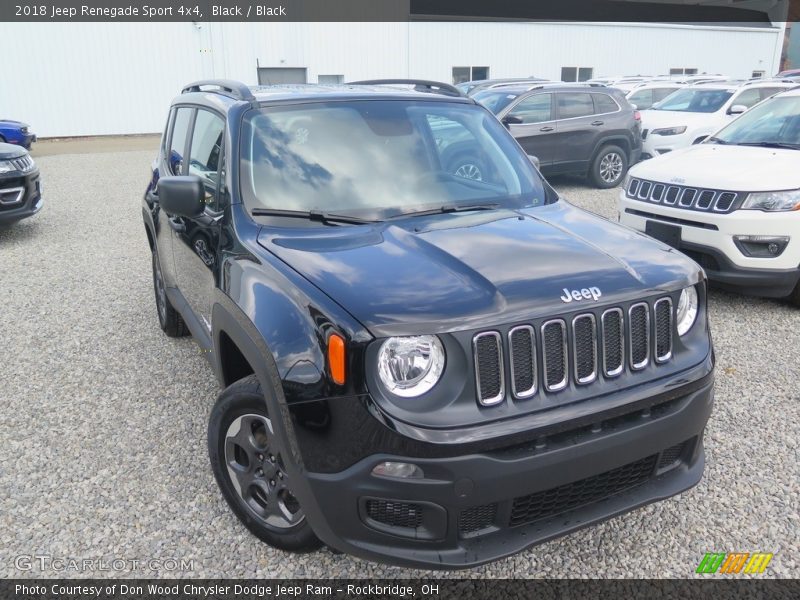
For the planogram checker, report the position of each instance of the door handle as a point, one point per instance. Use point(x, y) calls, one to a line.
point(176, 225)
point(548, 128)
point(597, 123)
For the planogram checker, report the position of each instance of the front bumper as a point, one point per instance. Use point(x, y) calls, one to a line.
point(708, 238)
point(655, 145)
point(480, 507)
point(20, 196)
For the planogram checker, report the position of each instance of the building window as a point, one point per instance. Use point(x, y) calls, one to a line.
point(682, 71)
point(462, 74)
point(576, 73)
point(757, 74)
point(330, 79)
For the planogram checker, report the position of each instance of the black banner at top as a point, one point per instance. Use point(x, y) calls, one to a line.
point(751, 12)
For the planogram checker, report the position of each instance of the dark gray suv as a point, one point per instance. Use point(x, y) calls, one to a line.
point(587, 129)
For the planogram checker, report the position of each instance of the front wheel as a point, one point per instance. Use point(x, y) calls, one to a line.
point(251, 472)
point(609, 167)
point(794, 297)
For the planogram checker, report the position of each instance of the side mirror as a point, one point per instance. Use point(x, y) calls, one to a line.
point(737, 109)
point(511, 120)
point(534, 160)
point(182, 195)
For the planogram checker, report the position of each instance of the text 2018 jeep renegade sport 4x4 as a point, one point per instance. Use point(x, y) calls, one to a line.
point(419, 368)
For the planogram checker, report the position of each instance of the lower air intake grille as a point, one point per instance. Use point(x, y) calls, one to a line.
point(527, 509)
point(477, 518)
point(671, 455)
point(395, 514)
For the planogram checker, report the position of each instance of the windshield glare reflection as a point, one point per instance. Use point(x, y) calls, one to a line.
point(376, 159)
point(775, 121)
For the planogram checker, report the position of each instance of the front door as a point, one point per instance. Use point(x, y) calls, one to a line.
point(534, 126)
point(196, 243)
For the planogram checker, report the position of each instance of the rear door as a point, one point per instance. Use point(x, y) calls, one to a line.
point(536, 132)
point(578, 128)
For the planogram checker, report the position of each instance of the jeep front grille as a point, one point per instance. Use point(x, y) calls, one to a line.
point(23, 163)
point(554, 357)
point(699, 199)
point(489, 371)
point(551, 355)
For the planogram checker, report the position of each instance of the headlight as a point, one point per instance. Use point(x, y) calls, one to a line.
point(411, 366)
point(773, 201)
point(687, 310)
point(669, 131)
point(6, 166)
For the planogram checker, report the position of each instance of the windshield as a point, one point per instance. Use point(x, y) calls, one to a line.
point(694, 100)
point(376, 159)
point(494, 100)
point(775, 121)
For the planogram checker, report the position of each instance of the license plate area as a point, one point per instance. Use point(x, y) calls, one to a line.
point(664, 232)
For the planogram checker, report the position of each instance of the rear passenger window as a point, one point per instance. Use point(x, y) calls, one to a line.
point(534, 109)
point(572, 105)
point(205, 156)
point(660, 93)
point(177, 144)
point(603, 103)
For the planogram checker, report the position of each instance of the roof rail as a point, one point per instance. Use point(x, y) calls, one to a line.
point(423, 85)
point(228, 87)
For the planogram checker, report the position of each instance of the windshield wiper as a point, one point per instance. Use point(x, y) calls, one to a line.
point(717, 140)
point(447, 208)
point(311, 215)
point(770, 145)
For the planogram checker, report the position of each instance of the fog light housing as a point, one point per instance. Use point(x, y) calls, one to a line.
point(761, 246)
point(398, 470)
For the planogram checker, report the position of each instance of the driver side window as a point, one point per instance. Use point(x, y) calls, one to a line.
point(206, 155)
point(534, 109)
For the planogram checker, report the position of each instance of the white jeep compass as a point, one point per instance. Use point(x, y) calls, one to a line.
point(732, 203)
point(688, 115)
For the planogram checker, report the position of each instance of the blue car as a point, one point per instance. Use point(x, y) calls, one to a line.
point(14, 132)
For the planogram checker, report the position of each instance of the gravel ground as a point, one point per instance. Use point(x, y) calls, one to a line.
point(103, 418)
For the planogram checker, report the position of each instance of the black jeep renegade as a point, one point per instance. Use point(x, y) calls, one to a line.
point(419, 366)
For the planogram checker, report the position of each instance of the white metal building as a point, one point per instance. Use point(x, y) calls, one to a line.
point(75, 79)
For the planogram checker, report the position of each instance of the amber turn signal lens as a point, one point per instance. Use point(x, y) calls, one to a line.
point(336, 358)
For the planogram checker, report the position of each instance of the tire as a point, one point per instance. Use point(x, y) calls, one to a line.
point(169, 319)
point(242, 449)
point(609, 167)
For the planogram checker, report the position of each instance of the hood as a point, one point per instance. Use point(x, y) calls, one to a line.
point(461, 271)
point(12, 123)
point(11, 151)
point(657, 119)
point(735, 168)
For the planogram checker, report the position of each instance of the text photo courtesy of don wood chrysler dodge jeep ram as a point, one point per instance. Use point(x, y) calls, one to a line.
point(418, 367)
